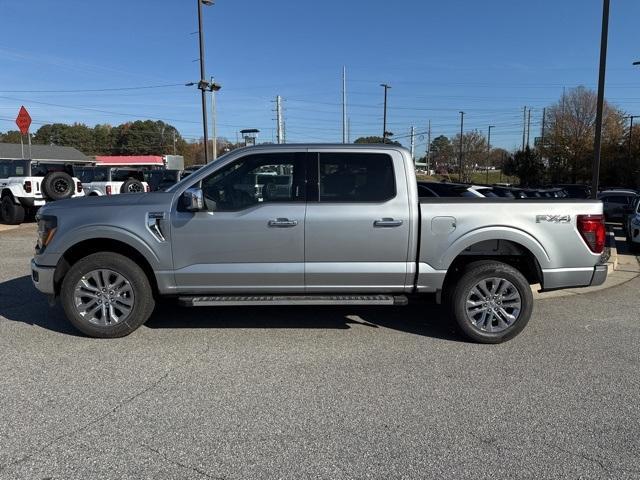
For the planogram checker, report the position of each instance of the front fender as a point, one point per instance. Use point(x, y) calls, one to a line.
point(61, 244)
point(495, 233)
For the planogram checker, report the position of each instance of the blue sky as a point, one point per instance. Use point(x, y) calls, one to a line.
point(486, 58)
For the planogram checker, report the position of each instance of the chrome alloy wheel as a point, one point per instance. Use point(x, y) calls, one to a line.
point(493, 305)
point(103, 297)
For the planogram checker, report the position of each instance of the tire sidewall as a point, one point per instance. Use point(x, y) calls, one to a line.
point(143, 295)
point(125, 186)
point(474, 274)
point(10, 212)
point(48, 185)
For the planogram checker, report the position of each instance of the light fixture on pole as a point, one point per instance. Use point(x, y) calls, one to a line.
point(203, 84)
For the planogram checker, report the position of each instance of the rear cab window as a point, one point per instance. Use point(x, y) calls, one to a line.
point(354, 177)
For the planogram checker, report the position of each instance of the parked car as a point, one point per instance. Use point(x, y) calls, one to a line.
point(190, 169)
point(352, 231)
point(631, 223)
point(616, 202)
point(26, 185)
point(446, 189)
point(107, 180)
point(575, 190)
point(161, 178)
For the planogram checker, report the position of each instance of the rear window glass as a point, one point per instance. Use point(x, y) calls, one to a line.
point(120, 175)
point(356, 177)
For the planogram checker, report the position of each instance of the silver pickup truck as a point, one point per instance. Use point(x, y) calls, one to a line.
point(346, 228)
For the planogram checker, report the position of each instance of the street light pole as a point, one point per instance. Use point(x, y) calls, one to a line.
point(202, 84)
point(489, 150)
point(460, 153)
point(600, 107)
point(384, 118)
point(631, 117)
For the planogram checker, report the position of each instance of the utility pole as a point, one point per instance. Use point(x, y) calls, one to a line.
point(489, 150)
point(349, 130)
point(528, 126)
point(460, 154)
point(279, 128)
point(524, 127)
point(202, 84)
point(174, 142)
point(384, 118)
point(413, 144)
point(428, 158)
point(600, 107)
point(344, 104)
point(214, 87)
point(544, 119)
point(630, 135)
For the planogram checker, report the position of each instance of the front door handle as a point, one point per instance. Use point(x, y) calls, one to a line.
point(387, 223)
point(282, 223)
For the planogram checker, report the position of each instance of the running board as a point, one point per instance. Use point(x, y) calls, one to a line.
point(259, 300)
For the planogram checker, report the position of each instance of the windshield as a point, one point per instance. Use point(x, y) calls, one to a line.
point(186, 174)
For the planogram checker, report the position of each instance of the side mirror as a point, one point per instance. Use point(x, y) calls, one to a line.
point(193, 199)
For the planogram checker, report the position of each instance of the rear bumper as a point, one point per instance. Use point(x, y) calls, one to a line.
point(557, 278)
point(42, 278)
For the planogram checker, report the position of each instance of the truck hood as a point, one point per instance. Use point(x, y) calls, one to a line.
point(161, 199)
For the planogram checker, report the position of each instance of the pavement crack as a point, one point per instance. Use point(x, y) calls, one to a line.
point(578, 455)
point(99, 418)
point(180, 464)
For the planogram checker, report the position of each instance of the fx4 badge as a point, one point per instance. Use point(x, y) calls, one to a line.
point(553, 218)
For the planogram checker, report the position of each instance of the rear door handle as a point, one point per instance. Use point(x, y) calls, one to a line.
point(282, 223)
point(387, 223)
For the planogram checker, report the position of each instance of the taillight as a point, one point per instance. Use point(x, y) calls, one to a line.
point(592, 229)
point(146, 188)
point(108, 189)
point(79, 187)
point(27, 186)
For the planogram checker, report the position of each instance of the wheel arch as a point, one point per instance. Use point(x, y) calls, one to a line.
point(90, 246)
point(516, 249)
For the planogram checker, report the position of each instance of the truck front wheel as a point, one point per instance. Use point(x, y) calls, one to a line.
point(491, 302)
point(106, 295)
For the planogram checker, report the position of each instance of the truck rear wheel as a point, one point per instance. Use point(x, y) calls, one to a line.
point(106, 295)
point(491, 302)
point(10, 212)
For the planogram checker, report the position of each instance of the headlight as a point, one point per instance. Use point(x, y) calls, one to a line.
point(47, 225)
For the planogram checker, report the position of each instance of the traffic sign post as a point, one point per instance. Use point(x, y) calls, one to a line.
point(23, 121)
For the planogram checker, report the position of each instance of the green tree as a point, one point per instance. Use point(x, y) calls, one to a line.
point(374, 139)
point(527, 165)
point(12, 136)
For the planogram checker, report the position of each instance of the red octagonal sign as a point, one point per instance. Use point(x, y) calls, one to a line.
point(23, 120)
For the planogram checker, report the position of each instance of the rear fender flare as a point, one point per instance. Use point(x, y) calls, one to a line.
point(496, 233)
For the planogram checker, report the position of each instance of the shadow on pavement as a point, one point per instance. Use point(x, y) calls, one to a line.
point(21, 302)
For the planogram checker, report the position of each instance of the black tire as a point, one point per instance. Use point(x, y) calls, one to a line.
point(475, 273)
point(132, 186)
point(10, 212)
point(57, 186)
point(143, 301)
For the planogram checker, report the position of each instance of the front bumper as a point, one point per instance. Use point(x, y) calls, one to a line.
point(42, 278)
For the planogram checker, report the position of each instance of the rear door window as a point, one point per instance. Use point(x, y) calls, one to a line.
point(356, 177)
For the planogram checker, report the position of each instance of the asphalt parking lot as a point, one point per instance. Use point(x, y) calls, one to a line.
point(316, 392)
